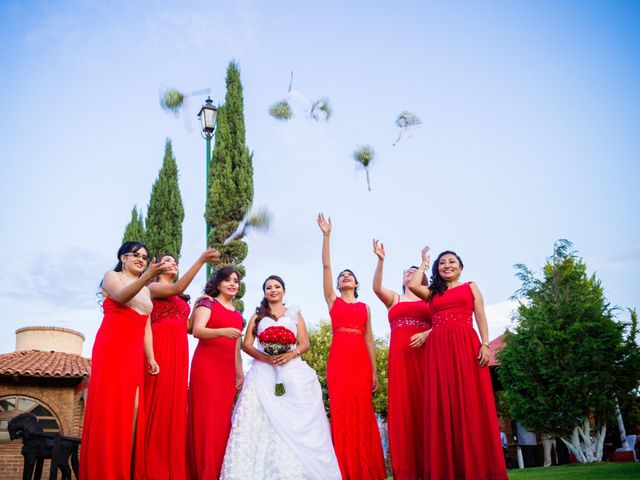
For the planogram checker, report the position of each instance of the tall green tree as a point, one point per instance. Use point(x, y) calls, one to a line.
point(134, 231)
point(561, 365)
point(230, 178)
point(165, 212)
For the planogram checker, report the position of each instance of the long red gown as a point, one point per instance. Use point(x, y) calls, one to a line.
point(117, 372)
point(166, 393)
point(406, 389)
point(212, 390)
point(462, 437)
point(356, 437)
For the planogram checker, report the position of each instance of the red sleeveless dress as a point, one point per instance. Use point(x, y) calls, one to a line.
point(166, 393)
point(356, 437)
point(117, 372)
point(212, 390)
point(462, 437)
point(406, 389)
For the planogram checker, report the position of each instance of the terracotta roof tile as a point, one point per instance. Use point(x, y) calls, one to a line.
point(35, 363)
point(495, 346)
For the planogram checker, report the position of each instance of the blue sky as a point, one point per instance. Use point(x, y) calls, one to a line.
point(530, 117)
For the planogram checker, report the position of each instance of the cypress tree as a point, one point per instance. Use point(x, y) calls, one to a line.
point(561, 368)
point(230, 178)
point(165, 212)
point(134, 231)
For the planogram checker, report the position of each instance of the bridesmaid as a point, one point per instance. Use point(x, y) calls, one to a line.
point(166, 394)
point(409, 319)
point(216, 375)
point(462, 438)
point(113, 429)
point(351, 374)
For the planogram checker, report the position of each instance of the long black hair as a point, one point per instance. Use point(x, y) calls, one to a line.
point(129, 247)
point(126, 247)
point(355, 291)
point(438, 284)
point(264, 310)
point(212, 287)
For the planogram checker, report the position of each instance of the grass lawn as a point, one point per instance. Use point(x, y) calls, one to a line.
point(598, 471)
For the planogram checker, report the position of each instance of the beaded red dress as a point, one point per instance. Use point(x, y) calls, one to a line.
point(117, 374)
point(212, 390)
point(462, 437)
point(166, 393)
point(356, 437)
point(406, 389)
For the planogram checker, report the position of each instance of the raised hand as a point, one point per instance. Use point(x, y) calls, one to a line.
point(378, 249)
point(425, 255)
point(210, 255)
point(324, 224)
point(157, 268)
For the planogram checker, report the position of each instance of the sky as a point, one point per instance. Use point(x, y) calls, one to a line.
point(530, 116)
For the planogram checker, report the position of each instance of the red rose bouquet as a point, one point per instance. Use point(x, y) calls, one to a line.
point(277, 340)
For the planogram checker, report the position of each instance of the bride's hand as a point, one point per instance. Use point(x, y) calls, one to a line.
point(283, 358)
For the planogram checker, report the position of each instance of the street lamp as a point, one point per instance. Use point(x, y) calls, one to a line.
point(207, 116)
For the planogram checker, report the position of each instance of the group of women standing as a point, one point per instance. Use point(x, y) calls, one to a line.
point(441, 412)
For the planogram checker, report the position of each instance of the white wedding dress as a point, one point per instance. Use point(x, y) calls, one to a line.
point(280, 438)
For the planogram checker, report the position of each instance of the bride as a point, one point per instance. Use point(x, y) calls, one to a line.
point(279, 437)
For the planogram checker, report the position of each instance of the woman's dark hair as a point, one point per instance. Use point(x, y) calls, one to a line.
point(211, 288)
point(438, 284)
point(263, 310)
point(129, 247)
point(126, 247)
point(183, 296)
point(355, 292)
point(424, 279)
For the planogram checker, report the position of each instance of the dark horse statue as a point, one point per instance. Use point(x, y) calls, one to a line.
point(38, 446)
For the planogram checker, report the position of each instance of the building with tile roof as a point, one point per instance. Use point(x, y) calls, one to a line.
point(47, 376)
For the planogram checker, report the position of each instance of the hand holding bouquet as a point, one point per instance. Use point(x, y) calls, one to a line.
point(277, 340)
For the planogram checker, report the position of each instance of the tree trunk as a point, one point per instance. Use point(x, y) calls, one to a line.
point(623, 433)
point(586, 447)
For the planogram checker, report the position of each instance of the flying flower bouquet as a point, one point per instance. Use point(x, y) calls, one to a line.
point(277, 340)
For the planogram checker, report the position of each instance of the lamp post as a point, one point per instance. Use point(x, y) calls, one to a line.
point(207, 116)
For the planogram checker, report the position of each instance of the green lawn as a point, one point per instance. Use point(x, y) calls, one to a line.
point(598, 471)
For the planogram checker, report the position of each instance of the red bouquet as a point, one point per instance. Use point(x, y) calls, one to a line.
point(277, 340)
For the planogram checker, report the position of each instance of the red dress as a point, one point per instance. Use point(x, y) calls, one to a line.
point(166, 393)
point(406, 389)
point(117, 372)
point(356, 437)
point(462, 437)
point(212, 390)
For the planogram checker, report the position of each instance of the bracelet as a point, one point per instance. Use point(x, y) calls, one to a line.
point(425, 265)
point(485, 344)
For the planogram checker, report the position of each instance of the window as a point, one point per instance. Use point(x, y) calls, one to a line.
point(13, 405)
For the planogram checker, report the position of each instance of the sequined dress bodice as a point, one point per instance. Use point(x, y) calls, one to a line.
point(410, 314)
point(453, 308)
point(142, 303)
point(172, 309)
